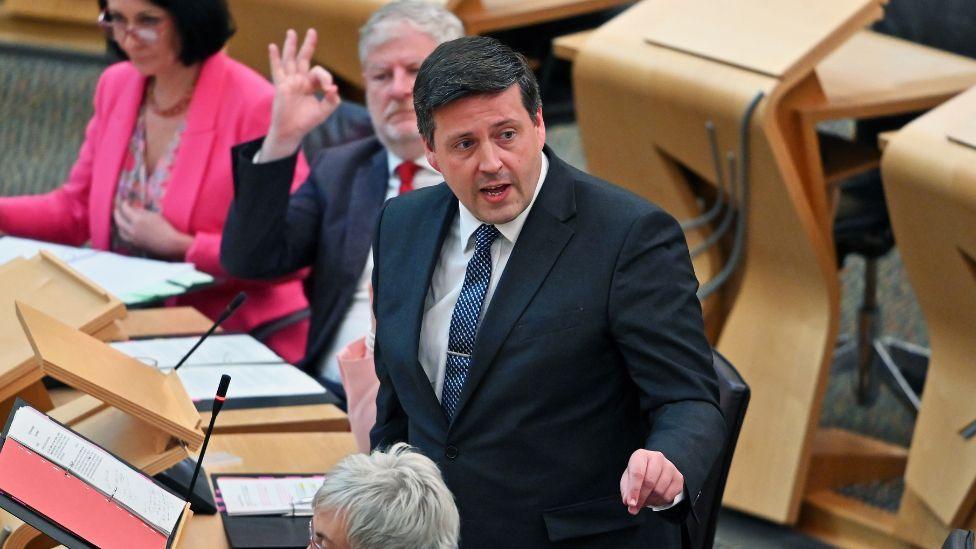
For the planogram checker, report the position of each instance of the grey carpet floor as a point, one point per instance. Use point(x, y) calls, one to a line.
point(46, 100)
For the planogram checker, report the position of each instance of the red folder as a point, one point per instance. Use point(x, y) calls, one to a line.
point(70, 502)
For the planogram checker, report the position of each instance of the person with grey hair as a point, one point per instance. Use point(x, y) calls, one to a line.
point(327, 224)
point(395, 499)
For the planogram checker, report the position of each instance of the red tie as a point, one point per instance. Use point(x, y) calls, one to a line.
point(405, 171)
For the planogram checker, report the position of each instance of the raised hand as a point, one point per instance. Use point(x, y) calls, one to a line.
point(650, 479)
point(297, 109)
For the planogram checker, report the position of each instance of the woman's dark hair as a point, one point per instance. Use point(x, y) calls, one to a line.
point(204, 26)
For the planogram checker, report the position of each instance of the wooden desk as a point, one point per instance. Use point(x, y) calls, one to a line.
point(260, 22)
point(867, 76)
point(52, 24)
point(164, 322)
point(484, 16)
point(263, 453)
point(281, 419)
point(266, 453)
point(646, 84)
point(566, 47)
point(930, 187)
point(169, 321)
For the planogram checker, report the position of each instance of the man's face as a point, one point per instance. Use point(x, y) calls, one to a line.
point(487, 148)
point(328, 530)
point(389, 71)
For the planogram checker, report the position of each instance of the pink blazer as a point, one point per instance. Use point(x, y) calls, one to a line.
point(231, 104)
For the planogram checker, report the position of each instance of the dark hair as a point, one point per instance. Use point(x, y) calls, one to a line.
point(472, 65)
point(204, 26)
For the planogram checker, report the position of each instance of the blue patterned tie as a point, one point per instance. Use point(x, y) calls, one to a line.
point(464, 320)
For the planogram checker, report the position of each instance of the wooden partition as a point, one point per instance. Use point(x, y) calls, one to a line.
point(929, 171)
point(261, 22)
point(646, 84)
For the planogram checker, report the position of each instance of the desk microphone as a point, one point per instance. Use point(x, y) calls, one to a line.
point(218, 403)
point(231, 307)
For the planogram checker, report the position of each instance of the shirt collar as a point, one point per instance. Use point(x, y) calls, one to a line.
point(469, 223)
point(392, 161)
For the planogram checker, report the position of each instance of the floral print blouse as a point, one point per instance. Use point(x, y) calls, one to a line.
point(139, 188)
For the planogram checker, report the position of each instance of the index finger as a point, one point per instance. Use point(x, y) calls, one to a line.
point(274, 58)
point(633, 480)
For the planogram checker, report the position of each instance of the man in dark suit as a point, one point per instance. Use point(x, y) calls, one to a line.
point(538, 333)
point(328, 223)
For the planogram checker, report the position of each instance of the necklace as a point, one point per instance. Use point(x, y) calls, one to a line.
point(176, 109)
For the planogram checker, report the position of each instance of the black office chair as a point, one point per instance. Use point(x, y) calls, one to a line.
point(862, 227)
point(733, 400)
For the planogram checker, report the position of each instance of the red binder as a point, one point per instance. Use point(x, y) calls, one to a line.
point(52, 499)
point(70, 502)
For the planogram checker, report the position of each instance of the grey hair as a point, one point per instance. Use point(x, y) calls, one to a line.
point(391, 500)
point(426, 17)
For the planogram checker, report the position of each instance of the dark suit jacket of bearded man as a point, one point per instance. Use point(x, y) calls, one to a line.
point(592, 347)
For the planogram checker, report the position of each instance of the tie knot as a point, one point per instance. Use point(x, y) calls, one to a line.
point(405, 171)
point(484, 235)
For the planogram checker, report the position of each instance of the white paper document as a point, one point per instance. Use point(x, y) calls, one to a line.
point(216, 350)
point(96, 467)
point(123, 275)
point(268, 495)
point(131, 279)
point(248, 381)
point(12, 247)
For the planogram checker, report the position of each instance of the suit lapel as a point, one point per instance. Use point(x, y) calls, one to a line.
point(196, 144)
point(366, 198)
point(542, 240)
point(426, 239)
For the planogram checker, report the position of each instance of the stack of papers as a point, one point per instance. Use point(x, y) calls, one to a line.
point(291, 495)
point(132, 279)
point(256, 370)
point(216, 350)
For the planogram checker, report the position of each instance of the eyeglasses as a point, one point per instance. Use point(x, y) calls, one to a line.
point(145, 28)
point(311, 536)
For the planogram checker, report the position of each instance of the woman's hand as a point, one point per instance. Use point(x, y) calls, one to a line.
point(297, 109)
point(151, 232)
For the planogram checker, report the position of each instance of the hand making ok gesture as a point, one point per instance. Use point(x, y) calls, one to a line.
point(297, 108)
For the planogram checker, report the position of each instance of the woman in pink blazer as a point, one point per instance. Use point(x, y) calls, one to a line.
point(153, 176)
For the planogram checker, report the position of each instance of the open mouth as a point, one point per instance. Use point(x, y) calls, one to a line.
point(495, 192)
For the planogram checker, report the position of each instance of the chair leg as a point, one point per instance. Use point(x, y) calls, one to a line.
point(867, 330)
point(912, 358)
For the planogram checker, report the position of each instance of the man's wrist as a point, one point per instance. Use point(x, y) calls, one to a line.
point(276, 148)
point(677, 499)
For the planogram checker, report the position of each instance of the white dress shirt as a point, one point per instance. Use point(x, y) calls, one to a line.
point(357, 321)
point(448, 277)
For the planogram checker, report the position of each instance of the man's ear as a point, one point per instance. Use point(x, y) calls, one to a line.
point(431, 158)
point(540, 126)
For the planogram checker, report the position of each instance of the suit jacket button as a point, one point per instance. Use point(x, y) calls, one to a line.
point(451, 452)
